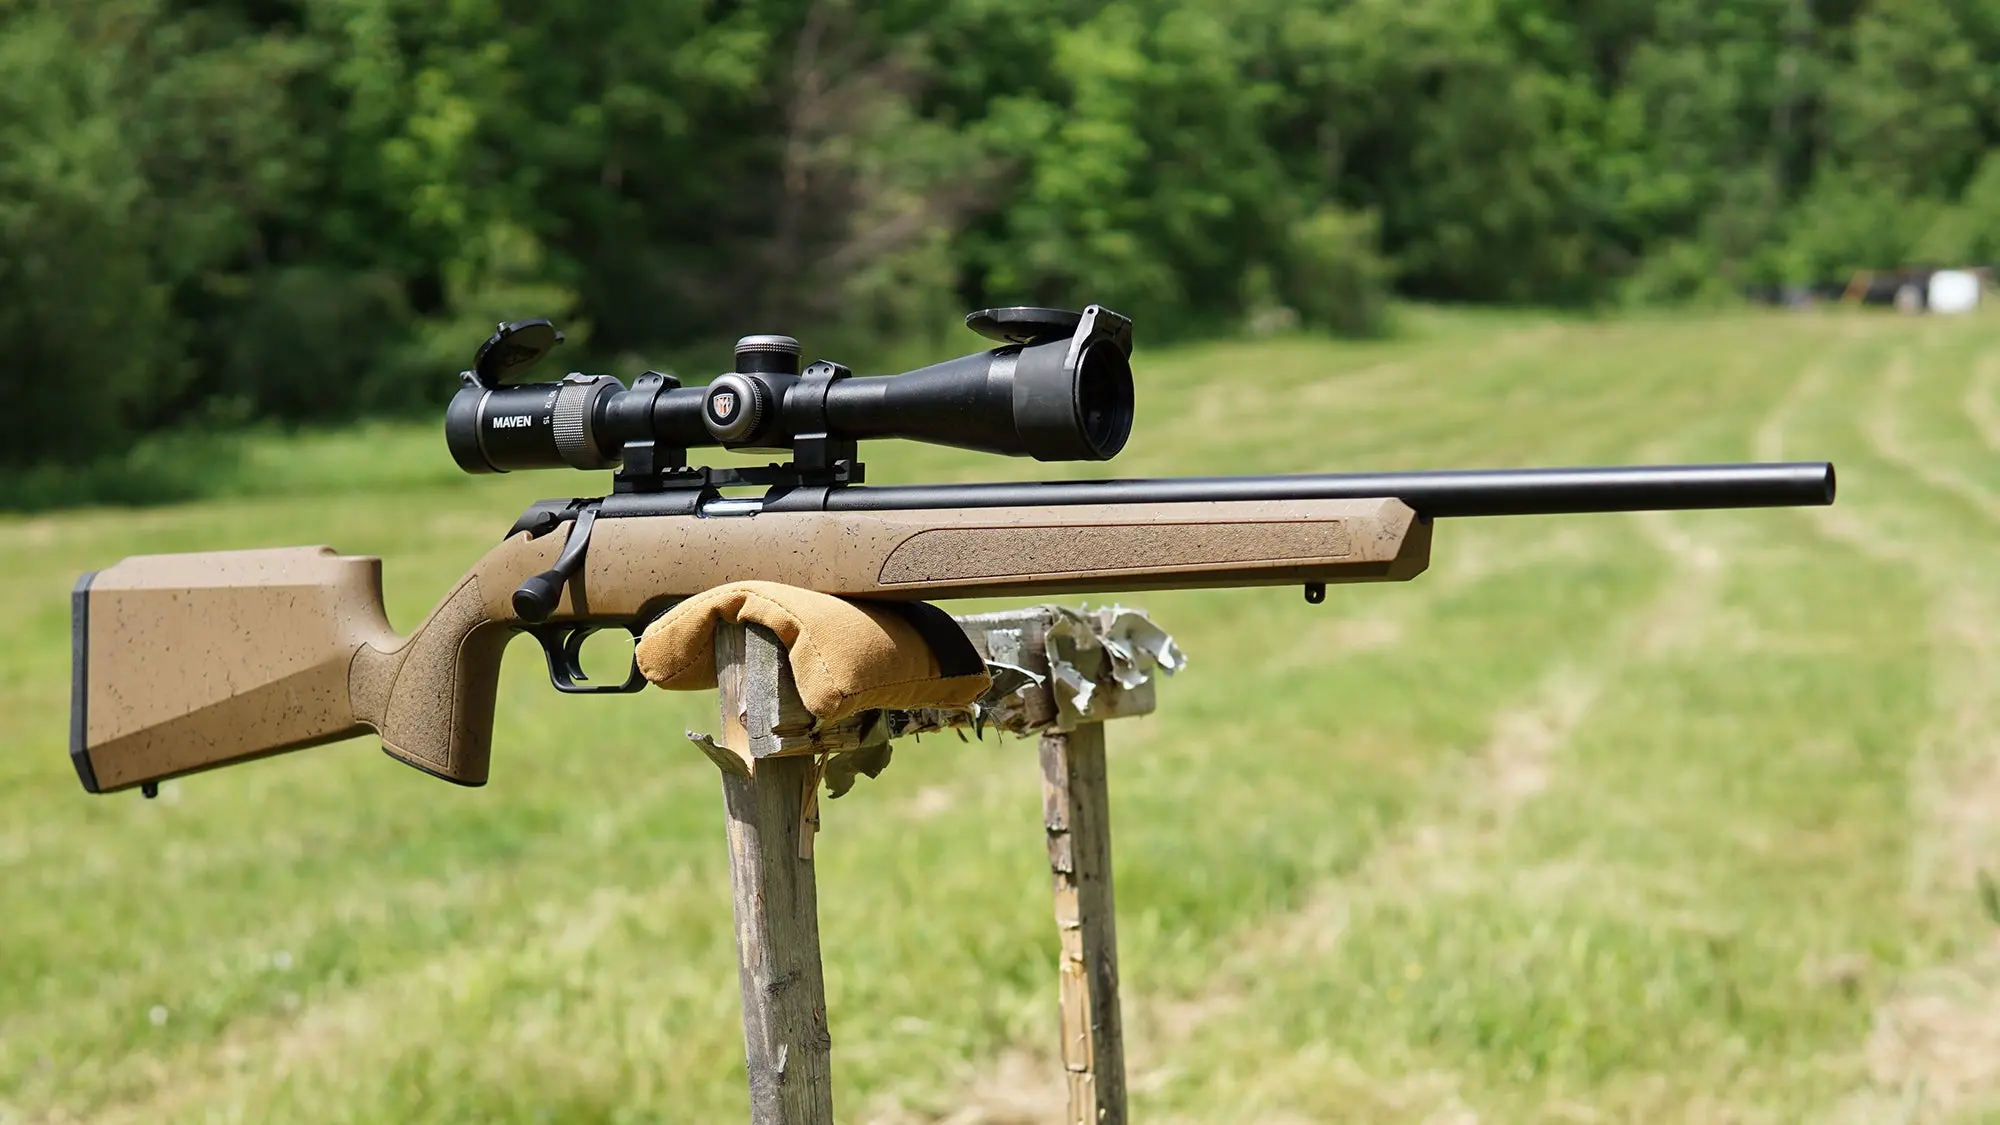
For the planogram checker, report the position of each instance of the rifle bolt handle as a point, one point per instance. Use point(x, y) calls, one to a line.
point(537, 597)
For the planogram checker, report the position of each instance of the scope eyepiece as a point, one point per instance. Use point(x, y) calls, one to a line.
point(531, 426)
point(1059, 389)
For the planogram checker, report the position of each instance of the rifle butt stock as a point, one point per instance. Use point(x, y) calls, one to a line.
point(183, 663)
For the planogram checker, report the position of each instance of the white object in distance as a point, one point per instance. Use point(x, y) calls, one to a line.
point(1954, 291)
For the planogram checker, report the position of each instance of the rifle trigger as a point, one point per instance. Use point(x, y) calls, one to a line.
point(572, 650)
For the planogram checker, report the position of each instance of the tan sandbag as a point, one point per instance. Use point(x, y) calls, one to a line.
point(846, 655)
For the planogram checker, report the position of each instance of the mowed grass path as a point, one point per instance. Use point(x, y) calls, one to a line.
point(1675, 817)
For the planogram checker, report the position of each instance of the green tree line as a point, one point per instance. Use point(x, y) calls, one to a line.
point(312, 209)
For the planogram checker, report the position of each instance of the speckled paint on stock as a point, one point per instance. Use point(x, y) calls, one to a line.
point(201, 660)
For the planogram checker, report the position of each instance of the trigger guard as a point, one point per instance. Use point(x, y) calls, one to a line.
point(562, 647)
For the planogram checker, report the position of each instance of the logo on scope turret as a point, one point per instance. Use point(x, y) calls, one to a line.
point(724, 405)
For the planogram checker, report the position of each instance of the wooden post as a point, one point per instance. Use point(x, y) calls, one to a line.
point(771, 753)
point(786, 1045)
point(1076, 813)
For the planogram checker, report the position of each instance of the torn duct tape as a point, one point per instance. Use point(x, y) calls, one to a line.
point(1053, 667)
point(1112, 646)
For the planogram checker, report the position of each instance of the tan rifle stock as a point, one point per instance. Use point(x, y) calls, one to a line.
point(188, 662)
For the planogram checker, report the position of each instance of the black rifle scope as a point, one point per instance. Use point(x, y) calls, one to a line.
point(1059, 388)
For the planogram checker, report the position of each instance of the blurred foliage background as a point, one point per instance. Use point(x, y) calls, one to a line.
point(312, 210)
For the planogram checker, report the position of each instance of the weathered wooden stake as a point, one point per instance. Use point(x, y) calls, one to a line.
point(771, 754)
point(785, 1040)
point(1076, 813)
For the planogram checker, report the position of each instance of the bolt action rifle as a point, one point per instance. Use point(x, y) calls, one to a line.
point(187, 662)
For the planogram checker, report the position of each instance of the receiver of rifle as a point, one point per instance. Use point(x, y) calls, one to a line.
point(188, 662)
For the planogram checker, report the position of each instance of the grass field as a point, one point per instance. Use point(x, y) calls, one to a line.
point(1685, 817)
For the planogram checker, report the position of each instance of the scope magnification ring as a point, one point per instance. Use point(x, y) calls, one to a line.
point(572, 416)
point(735, 408)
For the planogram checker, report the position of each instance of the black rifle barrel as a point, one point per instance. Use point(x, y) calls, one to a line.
point(1451, 492)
